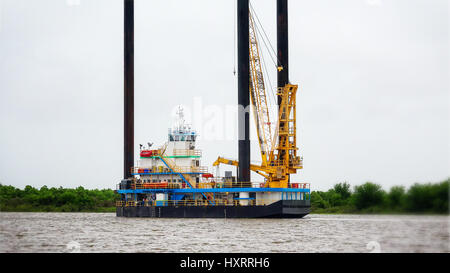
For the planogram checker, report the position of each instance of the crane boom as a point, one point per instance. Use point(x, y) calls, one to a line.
point(258, 95)
point(278, 146)
point(258, 169)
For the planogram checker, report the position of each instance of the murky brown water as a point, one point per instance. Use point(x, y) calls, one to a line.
point(104, 232)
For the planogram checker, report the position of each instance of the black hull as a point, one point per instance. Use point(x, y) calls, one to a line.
point(280, 209)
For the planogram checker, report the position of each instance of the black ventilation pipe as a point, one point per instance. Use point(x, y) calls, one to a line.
point(128, 119)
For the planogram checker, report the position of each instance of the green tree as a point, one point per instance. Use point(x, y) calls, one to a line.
point(317, 201)
point(428, 197)
point(368, 195)
point(396, 197)
point(343, 189)
point(334, 198)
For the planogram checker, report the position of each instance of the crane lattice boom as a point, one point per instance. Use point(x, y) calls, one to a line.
point(278, 146)
point(258, 96)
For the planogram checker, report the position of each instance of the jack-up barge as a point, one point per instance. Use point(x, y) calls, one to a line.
point(170, 181)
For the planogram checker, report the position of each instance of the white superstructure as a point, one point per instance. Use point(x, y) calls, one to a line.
point(178, 153)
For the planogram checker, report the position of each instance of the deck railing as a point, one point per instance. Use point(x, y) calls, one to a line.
point(163, 169)
point(208, 185)
point(186, 152)
point(216, 202)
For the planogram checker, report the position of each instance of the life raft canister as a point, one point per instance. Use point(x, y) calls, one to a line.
point(207, 175)
point(146, 153)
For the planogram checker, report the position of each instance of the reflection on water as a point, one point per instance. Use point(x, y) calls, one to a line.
point(104, 232)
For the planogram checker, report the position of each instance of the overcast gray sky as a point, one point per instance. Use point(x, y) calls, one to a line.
point(373, 103)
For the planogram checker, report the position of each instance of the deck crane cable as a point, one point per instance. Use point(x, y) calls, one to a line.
point(272, 97)
point(271, 49)
point(265, 37)
point(274, 100)
point(260, 30)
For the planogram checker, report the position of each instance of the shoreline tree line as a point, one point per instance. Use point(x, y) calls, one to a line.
point(371, 198)
point(342, 198)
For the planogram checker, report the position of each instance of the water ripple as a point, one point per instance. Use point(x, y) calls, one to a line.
point(104, 232)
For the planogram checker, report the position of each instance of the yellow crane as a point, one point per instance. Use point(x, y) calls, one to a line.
point(278, 147)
